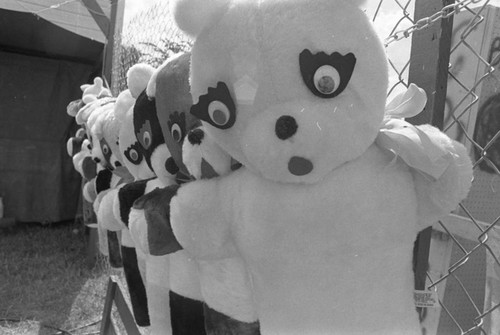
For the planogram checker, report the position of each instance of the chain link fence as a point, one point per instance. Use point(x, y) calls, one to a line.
point(463, 268)
point(150, 37)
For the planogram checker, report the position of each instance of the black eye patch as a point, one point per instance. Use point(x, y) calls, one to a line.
point(134, 154)
point(325, 75)
point(216, 107)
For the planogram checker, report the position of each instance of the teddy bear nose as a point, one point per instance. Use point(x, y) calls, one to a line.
point(170, 166)
point(195, 136)
point(97, 160)
point(286, 127)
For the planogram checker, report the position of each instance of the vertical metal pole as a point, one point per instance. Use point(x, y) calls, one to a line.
point(115, 28)
point(430, 56)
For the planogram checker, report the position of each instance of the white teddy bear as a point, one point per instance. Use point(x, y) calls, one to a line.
point(326, 208)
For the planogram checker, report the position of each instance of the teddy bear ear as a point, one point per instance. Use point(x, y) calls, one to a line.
point(151, 88)
point(123, 103)
point(138, 77)
point(192, 16)
point(80, 133)
point(84, 87)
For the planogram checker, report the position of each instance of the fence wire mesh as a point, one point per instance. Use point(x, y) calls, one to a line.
point(150, 37)
point(464, 266)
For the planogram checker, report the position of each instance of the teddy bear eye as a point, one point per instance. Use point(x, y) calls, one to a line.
point(216, 107)
point(219, 113)
point(326, 79)
point(146, 139)
point(133, 154)
point(176, 132)
point(325, 75)
point(144, 136)
point(106, 151)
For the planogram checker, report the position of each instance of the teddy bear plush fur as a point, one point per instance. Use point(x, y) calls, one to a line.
point(96, 101)
point(147, 155)
point(107, 129)
point(186, 309)
point(225, 283)
point(228, 306)
point(94, 91)
point(323, 215)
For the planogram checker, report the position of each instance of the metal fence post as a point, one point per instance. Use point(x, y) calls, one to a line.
point(115, 29)
point(430, 56)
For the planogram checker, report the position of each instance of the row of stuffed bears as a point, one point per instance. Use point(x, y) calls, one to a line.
point(261, 184)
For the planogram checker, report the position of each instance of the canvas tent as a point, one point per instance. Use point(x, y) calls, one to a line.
point(47, 50)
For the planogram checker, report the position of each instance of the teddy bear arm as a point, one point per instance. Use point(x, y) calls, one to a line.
point(137, 224)
point(438, 197)
point(89, 168)
point(200, 221)
point(126, 197)
point(88, 190)
point(154, 206)
point(105, 214)
point(103, 180)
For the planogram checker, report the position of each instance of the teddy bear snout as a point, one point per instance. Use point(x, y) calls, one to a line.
point(195, 136)
point(171, 166)
point(286, 127)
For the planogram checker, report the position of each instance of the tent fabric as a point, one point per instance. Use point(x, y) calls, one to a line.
point(37, 179)
point(41, 69)
point(26, 33)
point(71, 15)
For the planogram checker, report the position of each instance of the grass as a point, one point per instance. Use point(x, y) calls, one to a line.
point(47, 283)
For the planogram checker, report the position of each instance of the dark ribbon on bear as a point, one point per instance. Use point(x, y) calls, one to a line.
point(103, 180)
point(128, 194)
point(156, 207)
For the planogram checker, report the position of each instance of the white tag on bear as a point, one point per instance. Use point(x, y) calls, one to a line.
point(426, 299)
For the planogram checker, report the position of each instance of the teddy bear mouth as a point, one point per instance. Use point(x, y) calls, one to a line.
point(300, 166)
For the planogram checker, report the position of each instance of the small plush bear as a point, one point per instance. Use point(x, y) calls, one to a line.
point(95, 91)
point(147, 153)
point(326, 208)
point(79, 148)
point(96, 100)
point(112, 132)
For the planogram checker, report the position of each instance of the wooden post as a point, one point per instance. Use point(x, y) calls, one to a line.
point(110, 27)
point(430, 56)
point(115, 295)
point(106, 324)
point(117, 11)
point(125, 314)
point(98, 15)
